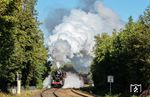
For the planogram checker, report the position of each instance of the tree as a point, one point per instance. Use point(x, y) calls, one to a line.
point(22, 47)
point(8, 19)
point(101, 61)
point(125, 54)
point(34, 49)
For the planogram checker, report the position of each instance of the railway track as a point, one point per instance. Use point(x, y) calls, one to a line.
point(82, 93)
point(64, 93)
point(49, 93)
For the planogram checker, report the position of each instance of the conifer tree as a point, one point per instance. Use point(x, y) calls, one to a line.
point(21, 44)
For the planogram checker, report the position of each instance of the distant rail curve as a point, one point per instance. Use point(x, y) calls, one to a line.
point(49, 93)
point(54, 92)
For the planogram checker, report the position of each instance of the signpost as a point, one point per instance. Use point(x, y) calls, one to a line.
point(18, 83)
point(110, 79)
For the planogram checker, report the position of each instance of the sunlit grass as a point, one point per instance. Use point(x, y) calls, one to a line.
point(23, 94)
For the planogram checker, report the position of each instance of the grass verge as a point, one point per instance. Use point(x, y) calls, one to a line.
point(24, 93)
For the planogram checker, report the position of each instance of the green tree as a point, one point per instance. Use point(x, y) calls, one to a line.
point(124, 54)
point(22, 47)
point(35, 51)
point(8, 20)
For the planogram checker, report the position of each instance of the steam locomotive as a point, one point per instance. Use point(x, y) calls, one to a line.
point(58, 79)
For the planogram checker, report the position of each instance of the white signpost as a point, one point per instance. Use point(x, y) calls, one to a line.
point(110, 79)
point(18, 84)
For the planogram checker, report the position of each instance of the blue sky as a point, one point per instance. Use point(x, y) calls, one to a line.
point(124, 8)
point(45, 6)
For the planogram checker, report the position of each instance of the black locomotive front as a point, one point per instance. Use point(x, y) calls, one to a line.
point(58, 78)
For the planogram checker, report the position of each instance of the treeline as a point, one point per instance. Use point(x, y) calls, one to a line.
point(21, 44)
point(125, 54)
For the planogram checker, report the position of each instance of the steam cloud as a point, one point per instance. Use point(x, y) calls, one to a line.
point(87, 5)
point(73, 81)
point(72, 40)
point(47, 82)
point(55, 17)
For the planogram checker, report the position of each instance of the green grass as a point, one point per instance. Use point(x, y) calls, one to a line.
point(27, 93)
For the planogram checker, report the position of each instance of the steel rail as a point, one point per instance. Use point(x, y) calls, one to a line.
point(41, 94)
point(74, 91)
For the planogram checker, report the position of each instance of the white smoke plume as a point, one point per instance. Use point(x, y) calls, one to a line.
point(87, 5)
point(73, 81)
point(73, 39)
point(47, 82)
point(58, 65)
point(55, 17)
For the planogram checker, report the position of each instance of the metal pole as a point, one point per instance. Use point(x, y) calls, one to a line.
point(110, 88)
